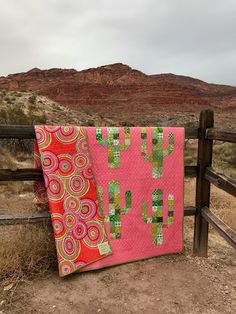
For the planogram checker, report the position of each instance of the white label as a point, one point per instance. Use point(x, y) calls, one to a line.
point(104, 248)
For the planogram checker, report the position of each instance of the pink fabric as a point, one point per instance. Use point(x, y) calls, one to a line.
point(135, 174)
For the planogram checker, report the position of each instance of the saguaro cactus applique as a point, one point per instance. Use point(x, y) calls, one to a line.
point(157, 215)
point(158, 151)
point(115, 210)
point(113, 144)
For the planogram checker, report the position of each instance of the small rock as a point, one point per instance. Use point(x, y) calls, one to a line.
point(2, 302)
point(8, 287)
point(99, 310)
point(233, 262)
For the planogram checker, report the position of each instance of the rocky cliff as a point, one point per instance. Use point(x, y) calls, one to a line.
point(117, 88)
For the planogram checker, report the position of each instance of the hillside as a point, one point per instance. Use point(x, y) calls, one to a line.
point(28, 108)
point(117, 88)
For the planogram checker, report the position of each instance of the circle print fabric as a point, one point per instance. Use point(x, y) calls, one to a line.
point(62, 153)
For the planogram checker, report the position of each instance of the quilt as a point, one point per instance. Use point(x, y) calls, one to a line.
point(125, 190)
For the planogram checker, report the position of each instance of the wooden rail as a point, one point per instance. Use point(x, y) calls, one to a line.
point(221, 135)
point(27, 132)
point(225, 231)
point(17, 131)
point(23, 219)
point(221, 181)
point(32, 174)
point(20, 174)
point(40, 217)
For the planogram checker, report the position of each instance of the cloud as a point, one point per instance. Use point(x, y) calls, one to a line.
point(188, 37)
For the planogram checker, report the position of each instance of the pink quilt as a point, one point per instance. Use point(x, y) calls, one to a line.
point(139, 175)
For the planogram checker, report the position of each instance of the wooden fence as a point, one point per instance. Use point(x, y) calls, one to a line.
point(202, 171)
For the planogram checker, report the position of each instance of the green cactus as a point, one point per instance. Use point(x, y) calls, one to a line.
point(158, 151)
point(115, 210)
point(157, 215)
point(113, 144)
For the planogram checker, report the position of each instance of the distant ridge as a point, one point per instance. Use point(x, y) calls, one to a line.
point(119, 87)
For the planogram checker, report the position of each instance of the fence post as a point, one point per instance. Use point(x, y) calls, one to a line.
point(204, 159)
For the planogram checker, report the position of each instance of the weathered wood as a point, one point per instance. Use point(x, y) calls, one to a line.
point(225, 231)
point(21, 174)
point(221, 181)
point(23, 219)
point(31, 174)
point(191, 133)
point(190, 171)
point(189, 211)
point(17, 131)
point(204, 160)
point(27, 132)
point(221, 135)
point(39, 217)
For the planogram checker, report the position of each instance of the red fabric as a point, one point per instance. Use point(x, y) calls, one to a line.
point(79, 231)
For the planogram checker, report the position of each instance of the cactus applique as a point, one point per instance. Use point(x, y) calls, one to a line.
point(115, 210)
point(158, 151)
point(113, 144)
point(157, 215)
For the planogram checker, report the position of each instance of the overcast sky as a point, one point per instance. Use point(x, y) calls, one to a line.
point(190, 37)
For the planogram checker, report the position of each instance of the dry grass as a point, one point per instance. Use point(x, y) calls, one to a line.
point(223, 204)
point(224, 156)
point(26, 250)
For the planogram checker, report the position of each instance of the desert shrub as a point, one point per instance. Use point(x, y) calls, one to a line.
point(7, 160)
point(190, 152)
point(88, 110)
point(32, 99)
point(3, 92)
point(17, 115)
point(224, 158)
point(230, 154)
point(13, 115)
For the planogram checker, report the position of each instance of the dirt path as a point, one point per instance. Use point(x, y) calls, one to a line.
point(173, 284)
point(169, 284)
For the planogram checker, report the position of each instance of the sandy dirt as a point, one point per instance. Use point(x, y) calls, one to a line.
point(167, 284)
